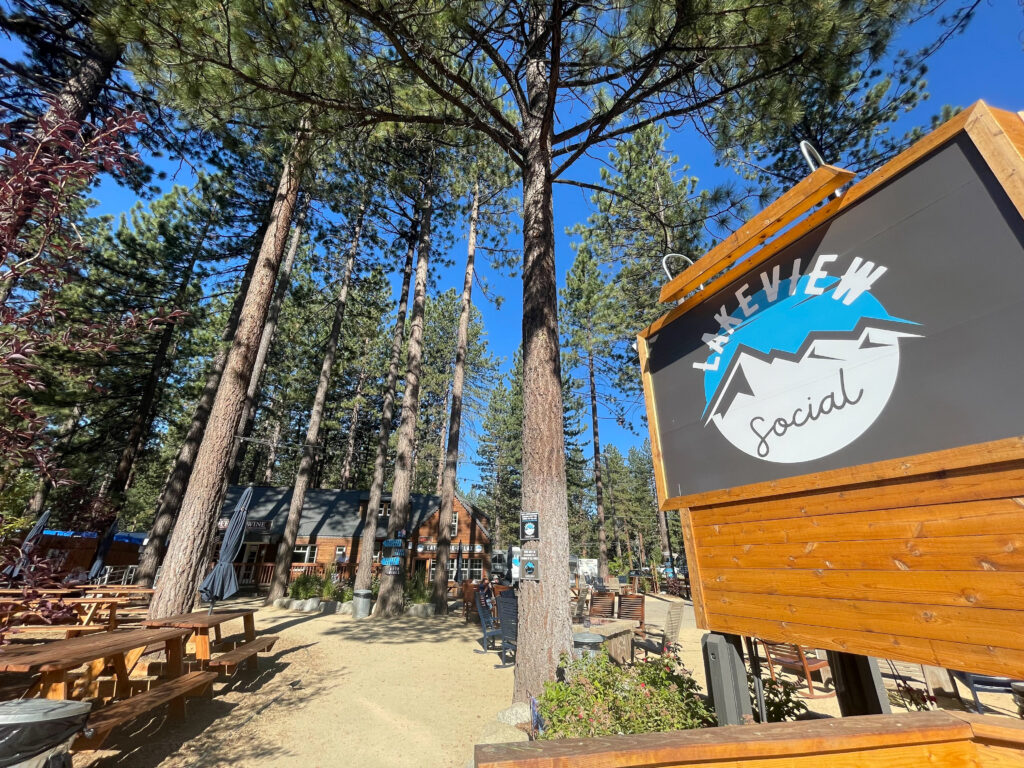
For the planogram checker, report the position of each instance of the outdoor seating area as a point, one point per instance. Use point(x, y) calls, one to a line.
point(126, 672)
point(342, 339)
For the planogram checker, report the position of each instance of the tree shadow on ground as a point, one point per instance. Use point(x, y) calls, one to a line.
point(214, 731)
point(209, 733)
point(403, 630)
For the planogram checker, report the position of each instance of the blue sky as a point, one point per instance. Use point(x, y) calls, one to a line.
point(985, 62)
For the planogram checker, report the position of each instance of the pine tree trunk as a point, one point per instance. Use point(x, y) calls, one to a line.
point(275, 438)
point(544, 622)
point(602, 536)
point(266, 341)
point(145, 411)
point(283, 562)
point(663, 534)
point(391, 600)
point(353, 421)
point(67, 431)
point(442, 441)
point(200, 508)
point(364, 566)
point(451, 455)
point(169, 502)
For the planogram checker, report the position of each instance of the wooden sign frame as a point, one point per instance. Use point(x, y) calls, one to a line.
point(919, 558)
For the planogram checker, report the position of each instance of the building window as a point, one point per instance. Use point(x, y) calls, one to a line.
point(384, 510)
point(472, 568)
point(304, 553)
point(340, 555)
point(455, 523)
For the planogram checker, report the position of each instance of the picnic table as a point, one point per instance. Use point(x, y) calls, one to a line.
point(122, 649)
point(618, 637)
point(201, 622)
point(86, 608)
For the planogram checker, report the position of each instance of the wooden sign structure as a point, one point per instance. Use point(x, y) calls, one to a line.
point(838, 416)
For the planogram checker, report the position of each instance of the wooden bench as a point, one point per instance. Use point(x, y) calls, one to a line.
point(230, 661)
point(104, 720)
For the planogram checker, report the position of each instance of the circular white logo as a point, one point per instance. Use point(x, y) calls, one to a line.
point(804, 372)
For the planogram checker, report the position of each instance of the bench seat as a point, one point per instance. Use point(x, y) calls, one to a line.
point(229, 662)
point(104, 720)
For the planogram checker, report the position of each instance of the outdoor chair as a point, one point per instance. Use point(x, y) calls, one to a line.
point(468, 590)
point(980, 683)
point(662, 642)
point(488, 624)
point(602, 605)
point(793, 658)
point(631, 608)
point(581, 606)
point(508, 616)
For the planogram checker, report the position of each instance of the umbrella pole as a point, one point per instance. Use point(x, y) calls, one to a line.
point(211, 606)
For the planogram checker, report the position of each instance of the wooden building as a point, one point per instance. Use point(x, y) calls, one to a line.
point(332, 527)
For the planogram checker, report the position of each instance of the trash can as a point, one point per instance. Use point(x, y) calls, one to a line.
point(361, 602)
point(586, 644)
point(37, 733)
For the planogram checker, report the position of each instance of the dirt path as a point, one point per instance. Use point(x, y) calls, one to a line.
point(335, 692)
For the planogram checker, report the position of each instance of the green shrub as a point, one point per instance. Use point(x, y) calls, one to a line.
point(598, 698)
point(780, 699)
point(306, 586)
point(418, 592)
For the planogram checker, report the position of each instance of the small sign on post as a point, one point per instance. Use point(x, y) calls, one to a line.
point(391, 564)
point(529, 526)
point(530, 566)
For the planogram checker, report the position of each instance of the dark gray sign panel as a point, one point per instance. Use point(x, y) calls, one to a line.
point(893, 329)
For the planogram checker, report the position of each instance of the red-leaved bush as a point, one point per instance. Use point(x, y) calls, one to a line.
point(42, 171)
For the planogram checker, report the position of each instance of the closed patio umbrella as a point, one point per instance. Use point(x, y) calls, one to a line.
point(458, 566)
point(101, 552)
point(221, 583)
point(508, 565)
point(27, 544)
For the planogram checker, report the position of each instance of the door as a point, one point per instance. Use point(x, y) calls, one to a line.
point(251, 552)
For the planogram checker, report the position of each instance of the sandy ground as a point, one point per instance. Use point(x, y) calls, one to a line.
point(339, 692)
point(334, 692)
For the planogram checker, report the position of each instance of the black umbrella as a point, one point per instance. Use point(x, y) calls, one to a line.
point(508, 564)
point(101, 552)
point(222, 583)
point(27, 545)
point(458, 566)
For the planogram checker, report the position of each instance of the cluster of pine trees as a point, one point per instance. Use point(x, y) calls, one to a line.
point(294, 329)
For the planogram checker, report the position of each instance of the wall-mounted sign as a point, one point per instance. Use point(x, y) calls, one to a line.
point(529, 526)
point(391, 561)
point(529, 566)
point(393, 543)
point(250, 525)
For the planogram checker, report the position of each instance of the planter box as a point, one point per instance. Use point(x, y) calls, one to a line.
point(420, 609)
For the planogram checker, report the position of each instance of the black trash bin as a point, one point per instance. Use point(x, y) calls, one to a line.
point(37, 733)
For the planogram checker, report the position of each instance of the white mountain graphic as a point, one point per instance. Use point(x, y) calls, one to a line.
point(792, 407)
